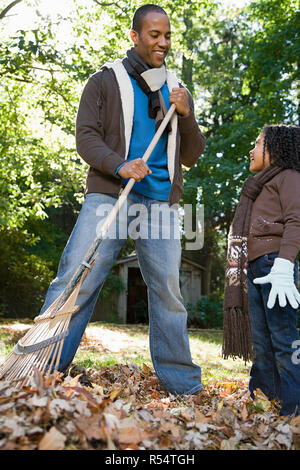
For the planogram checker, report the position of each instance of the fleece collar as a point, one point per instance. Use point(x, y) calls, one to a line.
point(155, 78)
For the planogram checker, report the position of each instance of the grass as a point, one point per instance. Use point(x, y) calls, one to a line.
point(133, 347)
point(107, 344)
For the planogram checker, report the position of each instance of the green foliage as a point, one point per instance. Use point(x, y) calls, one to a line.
point(206, 314)
point(112, 284)
point(247, 74)
point(24, 276)
point(241, 66)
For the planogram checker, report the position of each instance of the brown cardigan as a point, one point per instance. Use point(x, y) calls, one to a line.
point(275, 218)
point(100, 137)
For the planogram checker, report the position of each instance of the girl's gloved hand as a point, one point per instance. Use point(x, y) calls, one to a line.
point(281, 277)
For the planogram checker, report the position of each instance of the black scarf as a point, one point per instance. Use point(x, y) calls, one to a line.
point(135, 66)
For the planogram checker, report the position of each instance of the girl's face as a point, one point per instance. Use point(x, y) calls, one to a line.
point(257, 162)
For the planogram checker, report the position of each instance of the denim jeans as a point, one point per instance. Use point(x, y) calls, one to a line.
point(159, 255)
point(274, 368)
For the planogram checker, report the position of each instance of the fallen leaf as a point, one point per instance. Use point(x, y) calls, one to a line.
point(38, 401)
point(200, 417)
point(98, 388)
point(12, 425)
point(220, 405)
point(261, 400)
point(115, 393)
point(244, 413)
point(52, 440)
point(146, 369)
point(165, 442)
point(111, 421)
point(145, 415)
point(72, 382)
point(296, 441)
point(295, 424)
point(91, 427)
point(129, 435)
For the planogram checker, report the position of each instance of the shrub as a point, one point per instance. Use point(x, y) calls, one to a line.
point(205, 313)
point(24, 276)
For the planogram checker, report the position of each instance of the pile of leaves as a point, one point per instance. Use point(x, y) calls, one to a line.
point(124, 407)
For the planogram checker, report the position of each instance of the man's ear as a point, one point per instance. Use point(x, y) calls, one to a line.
point(134, 36)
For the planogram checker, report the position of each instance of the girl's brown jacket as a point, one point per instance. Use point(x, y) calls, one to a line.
point(275, 218)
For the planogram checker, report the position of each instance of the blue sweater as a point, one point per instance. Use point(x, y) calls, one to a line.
point(157, 185)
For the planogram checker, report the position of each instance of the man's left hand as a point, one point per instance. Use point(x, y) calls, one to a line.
point(179, 96)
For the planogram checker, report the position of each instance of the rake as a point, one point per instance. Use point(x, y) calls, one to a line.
point(42, 345)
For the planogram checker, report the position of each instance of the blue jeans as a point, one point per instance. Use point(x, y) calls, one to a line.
point(274, 368)
point(159, 255)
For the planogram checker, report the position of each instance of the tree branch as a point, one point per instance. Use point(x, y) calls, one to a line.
point(104, 4)
point(9, 7)
point(23, 80)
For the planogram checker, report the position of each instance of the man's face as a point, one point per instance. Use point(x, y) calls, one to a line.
point(153, 43)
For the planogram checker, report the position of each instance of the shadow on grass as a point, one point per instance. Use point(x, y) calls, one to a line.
point(208, 336)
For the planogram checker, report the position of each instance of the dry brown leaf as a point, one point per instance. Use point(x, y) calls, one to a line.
point(296, 441)
point(262, 400)
point(129, 435)
point(147, 369)
point(97, 388)
point(200, 417)
point(295, 424)
point(166, 426)
point(52, 440)
point(228, 416)
point(91, 427)
point(165, 442)
point(73, 382)
point(114, 393)
point(13, 427)
point(244, 413)
point(9, 445)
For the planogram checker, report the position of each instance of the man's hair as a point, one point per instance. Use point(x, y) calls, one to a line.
point(283, 145)
point(137, 22)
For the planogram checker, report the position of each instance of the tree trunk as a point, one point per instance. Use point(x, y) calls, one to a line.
point(207, 274)
point(187, 64)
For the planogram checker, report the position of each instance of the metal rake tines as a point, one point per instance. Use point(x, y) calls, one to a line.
point(40, 348)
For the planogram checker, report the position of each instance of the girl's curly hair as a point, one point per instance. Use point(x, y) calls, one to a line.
point(283, 145)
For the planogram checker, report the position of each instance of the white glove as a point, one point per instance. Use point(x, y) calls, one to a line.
point(281, 277)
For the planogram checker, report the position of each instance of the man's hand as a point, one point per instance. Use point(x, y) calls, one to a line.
point(180, 97)
point(136, 169)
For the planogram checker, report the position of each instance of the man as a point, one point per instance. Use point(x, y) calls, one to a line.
point(120, 109)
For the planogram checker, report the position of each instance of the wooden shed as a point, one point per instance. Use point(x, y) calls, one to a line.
point(131, 305)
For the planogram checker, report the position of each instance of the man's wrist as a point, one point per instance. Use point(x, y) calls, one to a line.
point(185, 115)
point(120, 166)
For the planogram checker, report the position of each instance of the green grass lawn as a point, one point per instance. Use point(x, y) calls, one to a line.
point(129, 344)
point(107, 344)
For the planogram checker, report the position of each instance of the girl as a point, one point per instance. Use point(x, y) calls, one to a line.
point(261, 298)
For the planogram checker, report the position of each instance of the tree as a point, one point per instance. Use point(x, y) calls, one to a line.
point(247, 71)
point(241, 66)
